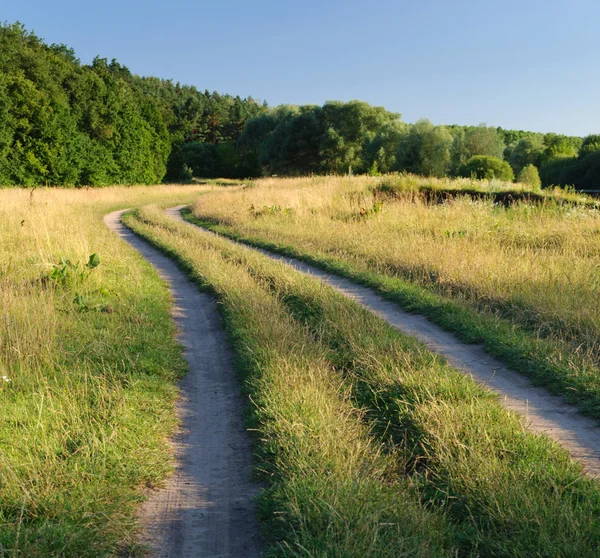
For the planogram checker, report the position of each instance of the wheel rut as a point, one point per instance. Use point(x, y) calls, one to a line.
point(206, 507)
point(544, 413)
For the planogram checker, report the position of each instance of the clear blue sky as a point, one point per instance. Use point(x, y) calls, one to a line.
point(526, 64)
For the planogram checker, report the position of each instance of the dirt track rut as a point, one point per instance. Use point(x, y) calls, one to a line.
point(206, 508)
point(544, 412)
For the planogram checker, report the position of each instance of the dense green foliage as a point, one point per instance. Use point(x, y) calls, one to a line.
point(203, 128)
point(65, 123)
point(335, 138)
point(486, 167)
point(530, 176)
point(355, 137)
point(581, 172)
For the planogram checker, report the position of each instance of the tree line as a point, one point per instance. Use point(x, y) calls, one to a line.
point(356, 137)
point(66, 123)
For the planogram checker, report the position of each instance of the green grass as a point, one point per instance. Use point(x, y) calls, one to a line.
point(324, 374)
point(332, 490)
point(547, 361)
point(92, 362)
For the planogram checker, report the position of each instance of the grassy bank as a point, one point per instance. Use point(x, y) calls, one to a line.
point(88, 352)
point(520, 279)
point(347, 408)
point(440, 190)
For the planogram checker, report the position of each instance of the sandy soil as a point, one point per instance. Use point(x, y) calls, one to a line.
point(544, 413)
point(206, 507)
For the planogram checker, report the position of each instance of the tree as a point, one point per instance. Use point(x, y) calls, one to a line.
point(484, 167)
point(528, 151)
point(381, 149)
point(66, 123)
point(512, 137)
point(583, 173)
point(250, 144)
point(333, 138)
point(436, 152)
point(589, 145)
point(530, 176)
point(483, 140)
point(558, 145)
point(459, 154)
point(425, 149)
point(349, 127)
point(294, 146)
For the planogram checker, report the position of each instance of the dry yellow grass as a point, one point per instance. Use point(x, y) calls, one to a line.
point(307, 355)
point(91, 362)
point(541, 262)
point(523, 279)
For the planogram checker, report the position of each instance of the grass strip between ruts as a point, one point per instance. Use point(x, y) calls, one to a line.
point(332, 490)
point(542, 360)
point(506, 492)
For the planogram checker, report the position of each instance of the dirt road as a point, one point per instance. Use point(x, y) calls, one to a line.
point(544, 412)
point(206, 507)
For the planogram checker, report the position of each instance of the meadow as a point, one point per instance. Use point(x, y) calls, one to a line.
point(369, 444)
point(366, 443)
point(88, 363)
point(520, 275)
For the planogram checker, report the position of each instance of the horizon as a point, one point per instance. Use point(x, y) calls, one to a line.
point(457, 75)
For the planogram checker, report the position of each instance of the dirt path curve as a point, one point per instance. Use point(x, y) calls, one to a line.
point(544, 412)
point(206, 507)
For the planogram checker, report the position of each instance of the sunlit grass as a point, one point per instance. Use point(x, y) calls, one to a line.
point(530, 266)
point(345, 408)
point(92, 363)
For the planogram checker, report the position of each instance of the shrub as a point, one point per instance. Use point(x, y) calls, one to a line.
point(530, 176)
point(590, 144)
point(486, 167)
point(583, 173)
point(374, 170)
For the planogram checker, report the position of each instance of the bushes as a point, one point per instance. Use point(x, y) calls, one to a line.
point(485, 167)
point(582, 173)
point(530, 176)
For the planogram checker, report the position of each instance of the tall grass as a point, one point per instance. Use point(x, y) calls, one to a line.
point(332, 490)
point(529, 269)
point(91, 360)
point(320, 369)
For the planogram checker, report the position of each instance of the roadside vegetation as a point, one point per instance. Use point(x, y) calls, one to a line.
point(519, 277)
point(370, 444)
point(88, 364)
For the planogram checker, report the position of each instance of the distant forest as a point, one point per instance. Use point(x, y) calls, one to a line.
point(66, 123)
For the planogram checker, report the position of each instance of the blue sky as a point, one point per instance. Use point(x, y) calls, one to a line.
point(528, 64)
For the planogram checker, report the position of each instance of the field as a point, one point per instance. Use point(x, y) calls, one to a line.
point(365, 442)
point(523, 279)
point(88, 363)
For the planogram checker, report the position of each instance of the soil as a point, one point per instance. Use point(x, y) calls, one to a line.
point(206, 507)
